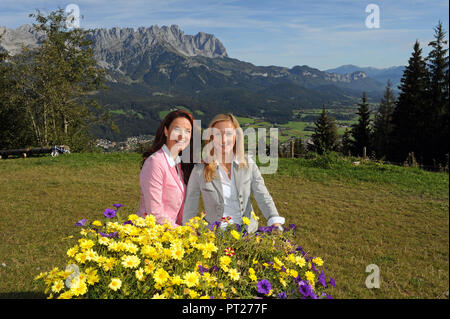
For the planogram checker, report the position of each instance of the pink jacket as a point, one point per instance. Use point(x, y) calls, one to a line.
point(161, 191)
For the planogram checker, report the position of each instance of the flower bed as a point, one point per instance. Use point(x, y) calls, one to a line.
point(137, 258)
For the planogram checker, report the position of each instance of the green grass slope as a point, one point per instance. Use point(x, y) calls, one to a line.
point(351, 216)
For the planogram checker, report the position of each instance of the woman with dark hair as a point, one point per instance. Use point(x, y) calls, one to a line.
point(164, 176)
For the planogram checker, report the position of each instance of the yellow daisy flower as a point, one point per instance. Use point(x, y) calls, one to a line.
point(234, 274)
point(115, 284)
point(130, 261)
point(97, 223)
point(191, 279)
point(161, 276)
point(58, 286)
point(318, 261)
point(235, 234)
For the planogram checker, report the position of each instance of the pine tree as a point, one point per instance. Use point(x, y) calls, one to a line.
point(361, 131)
point(347, 144)
point(325, 134)
point(382, 126)
point(411, 110)
point(437, 129)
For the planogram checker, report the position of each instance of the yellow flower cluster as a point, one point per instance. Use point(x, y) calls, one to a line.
point(142, 259)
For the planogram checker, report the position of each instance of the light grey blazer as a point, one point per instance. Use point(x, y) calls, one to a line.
point(248, 181)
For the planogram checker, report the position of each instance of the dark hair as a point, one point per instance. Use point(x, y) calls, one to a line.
point(160, 140)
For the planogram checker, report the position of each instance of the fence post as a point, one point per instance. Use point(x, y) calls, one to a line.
point(364, 153)
point(292, 149)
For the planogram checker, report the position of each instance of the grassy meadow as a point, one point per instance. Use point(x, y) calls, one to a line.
point(351, 216)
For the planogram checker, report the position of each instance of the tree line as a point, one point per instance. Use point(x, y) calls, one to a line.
point(413, 126)
point(46, 92)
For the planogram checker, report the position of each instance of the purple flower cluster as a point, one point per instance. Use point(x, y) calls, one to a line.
point(267, 229)
point(111, 213)
point(305, 289)
point(264, 286)
point(282, 295)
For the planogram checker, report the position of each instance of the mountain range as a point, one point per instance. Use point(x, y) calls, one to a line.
point(382, 75)
point(153, 69)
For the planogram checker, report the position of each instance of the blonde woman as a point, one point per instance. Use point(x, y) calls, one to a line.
point(227, 179)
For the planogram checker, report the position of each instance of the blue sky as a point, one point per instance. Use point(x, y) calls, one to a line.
point(321, 33)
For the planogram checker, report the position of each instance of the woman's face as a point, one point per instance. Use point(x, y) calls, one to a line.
point(178, 135)
point(224, 138)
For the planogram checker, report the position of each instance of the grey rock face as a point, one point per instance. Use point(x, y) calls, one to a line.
point(12, 40)
point(162, 56)
point(115, 43)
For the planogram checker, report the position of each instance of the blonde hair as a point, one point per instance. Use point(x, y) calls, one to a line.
point(210, 168)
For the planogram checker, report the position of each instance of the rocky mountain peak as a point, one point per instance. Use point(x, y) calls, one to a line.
point(122, 40)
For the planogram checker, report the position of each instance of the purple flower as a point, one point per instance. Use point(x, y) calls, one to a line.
point(267, 229)
point(81, 222)
point(214, 268)
point(304, 288)
point(111, 235)
point(293, 227)
point(202, 269)
point(332, 282)
point(129, 222)
point(214, 225)
point(282, 295)
point(300, 249)
point(264, 286)
point(109, 213)
point(323, 279)
point(117, 205)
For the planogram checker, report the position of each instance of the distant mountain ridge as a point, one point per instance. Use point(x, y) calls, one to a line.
point(152, 69)
point(393, 73)
point(131, 55)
